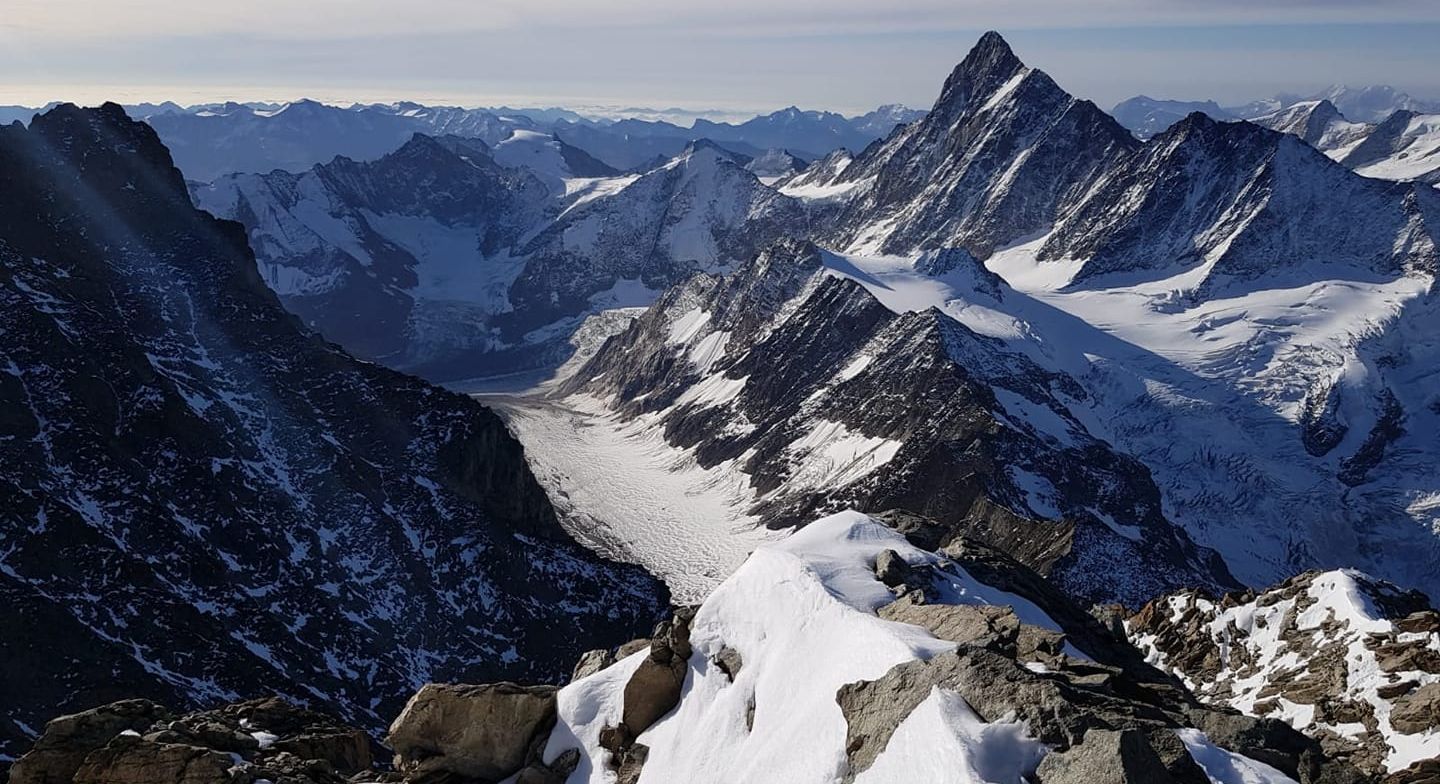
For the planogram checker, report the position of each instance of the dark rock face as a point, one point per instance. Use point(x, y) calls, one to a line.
point(183, 468)
point(1010, 147)
point(1245, 199)
point(813, 353)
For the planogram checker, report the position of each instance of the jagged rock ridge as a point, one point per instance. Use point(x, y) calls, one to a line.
point(1350, 660)
point(804, 382)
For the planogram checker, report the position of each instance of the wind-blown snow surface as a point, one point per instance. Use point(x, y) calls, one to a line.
point(1214, 397)
point(801, 614)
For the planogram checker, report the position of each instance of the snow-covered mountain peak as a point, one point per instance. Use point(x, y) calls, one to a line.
point(991, 67)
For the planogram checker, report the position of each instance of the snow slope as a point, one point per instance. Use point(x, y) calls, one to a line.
point(801, 615)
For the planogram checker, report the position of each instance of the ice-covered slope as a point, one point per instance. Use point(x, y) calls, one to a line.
point(1341, 656)
point(547, 157)
point(798, 384)
point(199, 499)
point(1373, 103)
point(1406, 146)
point(1318, 123)
point(955, 667)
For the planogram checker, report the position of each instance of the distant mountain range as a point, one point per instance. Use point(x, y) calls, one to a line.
point(1247, 318)
point(211, 140)
point(1147, 116)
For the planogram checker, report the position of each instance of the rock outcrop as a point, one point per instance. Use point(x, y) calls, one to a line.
point(1351, 661)
point(201, 499)
point(473, 732)
point(997, 683)
point(140, 742)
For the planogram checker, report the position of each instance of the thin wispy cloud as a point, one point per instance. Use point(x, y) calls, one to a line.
point(845, 54)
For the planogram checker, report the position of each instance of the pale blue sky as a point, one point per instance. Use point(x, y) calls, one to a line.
point(847, 55)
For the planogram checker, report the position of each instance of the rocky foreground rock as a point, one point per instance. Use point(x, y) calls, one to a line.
point(848, 653)
point(141, 742)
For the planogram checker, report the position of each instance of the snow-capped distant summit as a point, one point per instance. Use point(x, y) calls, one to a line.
point(1373, 103)
point(1147, 116)
point(1318, 123)
point(881, 121)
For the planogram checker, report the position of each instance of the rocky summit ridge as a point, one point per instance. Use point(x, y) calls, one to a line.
point(949, 665)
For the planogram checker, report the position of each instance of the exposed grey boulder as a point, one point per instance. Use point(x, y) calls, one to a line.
point(1418, 711)
point(592, 662)
point(654, 688)
point(891, 569)
point(128, 759)
point(481, 732)
point(1105, 757)
point(729, 661)
point(982, 625)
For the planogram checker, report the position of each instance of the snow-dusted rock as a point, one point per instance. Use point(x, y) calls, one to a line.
point(800, 381)
point(1341, 656)
point(832, 691)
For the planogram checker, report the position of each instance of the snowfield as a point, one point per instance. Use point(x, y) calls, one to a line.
point(624, 492)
